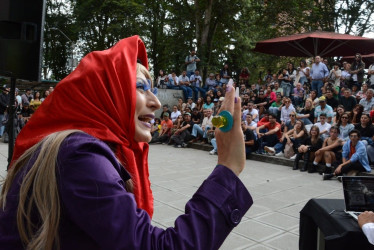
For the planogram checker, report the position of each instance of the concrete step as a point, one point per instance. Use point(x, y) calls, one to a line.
point(265, 158)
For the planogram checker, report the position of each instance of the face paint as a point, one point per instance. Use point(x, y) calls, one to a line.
point(145, 85)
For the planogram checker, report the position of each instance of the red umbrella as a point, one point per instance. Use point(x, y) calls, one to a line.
point(368, 59)
point(321, 43)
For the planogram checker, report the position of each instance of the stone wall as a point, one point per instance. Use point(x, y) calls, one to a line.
point(168, 96)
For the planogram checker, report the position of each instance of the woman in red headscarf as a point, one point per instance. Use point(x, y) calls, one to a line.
point(79, 173)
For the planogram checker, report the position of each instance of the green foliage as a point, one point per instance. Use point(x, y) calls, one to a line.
point(221, 31)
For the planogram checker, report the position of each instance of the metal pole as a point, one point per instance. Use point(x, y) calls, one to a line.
point(11, 113)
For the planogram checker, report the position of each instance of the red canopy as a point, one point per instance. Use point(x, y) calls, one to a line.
point(368, 59)
point(316, 43)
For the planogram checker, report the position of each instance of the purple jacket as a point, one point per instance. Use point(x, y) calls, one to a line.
point(98, 213)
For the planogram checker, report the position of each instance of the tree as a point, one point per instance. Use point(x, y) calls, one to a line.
point(57, 49)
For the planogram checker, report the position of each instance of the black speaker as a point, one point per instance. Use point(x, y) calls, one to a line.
point(21, 38)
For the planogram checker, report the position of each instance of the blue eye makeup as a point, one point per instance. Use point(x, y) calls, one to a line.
point(145, 85)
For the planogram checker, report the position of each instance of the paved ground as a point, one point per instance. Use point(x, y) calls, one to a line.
point(279, 194)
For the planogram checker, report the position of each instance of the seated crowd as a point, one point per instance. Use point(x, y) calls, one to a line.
point(26, 104)
point(323, 117)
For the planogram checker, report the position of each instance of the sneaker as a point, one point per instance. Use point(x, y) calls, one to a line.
point(327, 176)
point(212, 152)
point(184, 145)
point(280, 154)
point(178, 146)
point(270, 150)
point(293, 157)
point(164, 143)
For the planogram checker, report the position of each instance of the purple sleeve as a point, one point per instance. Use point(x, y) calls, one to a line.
point(94, 198)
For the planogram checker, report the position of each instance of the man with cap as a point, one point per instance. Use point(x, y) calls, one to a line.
point(182, 135)
point(323, 108)
point(4, 104)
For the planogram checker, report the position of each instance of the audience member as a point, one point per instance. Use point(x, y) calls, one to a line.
point(323, 108)
point(311, 144)
point(200, 104)
point(345, 126)
point(331, 100)
point(225, 74)
point(197, 85)
point(190, 61)
point(356, 113)
point(335, 74)
point(323, 126)
point(348, 101)
point(307, 113)
point(276, 106)
point(303, 71)
point(161, 79)
point(285, 80)
point(183, 134)
point(357, 70)
point(4, 104)
point(271, 136)
point(175, 114)
point(249, 140)
point(184, 84)
point(330, 152)
point(27, 97)
point(286, 110)
point(354, 159)
point(251, 110)
point(319, 73)
point(298, 95)
point(166, 129)
point(209, 103)
point(368, 102)
point(362, 93)
point(199, 131)
point(210, 82)
point(165, 108)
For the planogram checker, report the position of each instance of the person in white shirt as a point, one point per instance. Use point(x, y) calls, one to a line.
point(251, 110)
point(286, 110)
point(324, 127)
point(303, 72)
point(366, 223)
point(252, 125)
point(174, 115)
point(203, 129)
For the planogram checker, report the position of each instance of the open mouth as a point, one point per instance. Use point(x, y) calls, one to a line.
point(146, 119)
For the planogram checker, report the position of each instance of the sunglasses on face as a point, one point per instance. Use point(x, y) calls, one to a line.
point(292, 115)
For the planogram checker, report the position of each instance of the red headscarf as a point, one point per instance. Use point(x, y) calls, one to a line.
point(99, 98)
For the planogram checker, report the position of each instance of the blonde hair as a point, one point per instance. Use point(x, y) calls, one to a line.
point(38, 192)
point(311, 103)
point(141, 69)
